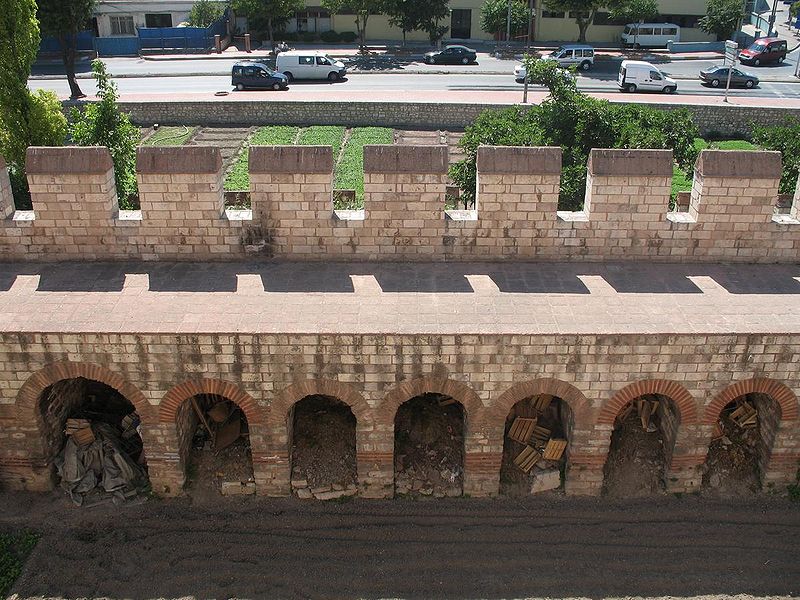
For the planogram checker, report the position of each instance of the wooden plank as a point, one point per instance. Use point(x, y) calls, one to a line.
point(447, 401)
point(541, 434)
point(527, 458)
point(555, 449)
point(521, 430)
point(542, 402)
point(625, 412)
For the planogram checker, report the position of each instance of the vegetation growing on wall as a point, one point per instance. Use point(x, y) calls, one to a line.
point(577, 123)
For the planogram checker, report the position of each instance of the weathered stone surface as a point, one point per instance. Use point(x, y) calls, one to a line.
point(543, 481)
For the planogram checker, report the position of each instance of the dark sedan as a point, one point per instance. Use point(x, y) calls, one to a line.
point(451, 55)
point(718, 77)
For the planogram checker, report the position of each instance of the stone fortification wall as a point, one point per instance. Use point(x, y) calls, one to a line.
point(596, 375)
point(76, 213)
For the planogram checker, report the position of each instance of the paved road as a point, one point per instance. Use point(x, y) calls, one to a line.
point(595, 82)
point(133, 67)
point(461, 548)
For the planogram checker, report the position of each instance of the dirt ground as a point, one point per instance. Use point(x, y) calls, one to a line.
point(513, 480)
point(209, 468)
point(636, 464)
point(323, 447)
point(429, 448)
point(731, 467)
point(545, 546)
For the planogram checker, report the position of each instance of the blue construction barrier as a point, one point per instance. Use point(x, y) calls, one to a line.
point(186, 38)
point(117, 46)
point(85, 41)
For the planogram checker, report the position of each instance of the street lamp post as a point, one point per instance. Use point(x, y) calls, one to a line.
point(772, 18)
point(508, 26)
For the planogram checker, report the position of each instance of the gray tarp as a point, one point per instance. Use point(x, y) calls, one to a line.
point(101, 470)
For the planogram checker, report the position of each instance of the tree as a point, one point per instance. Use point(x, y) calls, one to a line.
point(414, 15)
point(267, 15)
point(26, 119)
point(205, 12)
point(634, 11)
point(363, 10)
point(722, 18)
point(584, 11)
point(577, 123)
point(102, 124)
point(64, 20)
point(494, 16)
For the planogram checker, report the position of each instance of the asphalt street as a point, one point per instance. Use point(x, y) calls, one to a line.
point(595, 82)
point(549, 546)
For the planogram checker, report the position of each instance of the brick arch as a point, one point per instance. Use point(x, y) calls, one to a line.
point(172, 400)
point(687, 407)
point(407, 390)
point(28, 396)
point(288, 397)
point(525, 389)
point(784, 396)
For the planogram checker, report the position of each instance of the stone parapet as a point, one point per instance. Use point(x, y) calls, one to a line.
point(626, 214)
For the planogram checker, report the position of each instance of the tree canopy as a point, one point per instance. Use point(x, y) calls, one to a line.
point(205, 12)
point(634, 11)
point(267, 15)
point(64, 20)
point(494, 16)
point(722, 18)
point(418, 15)
point(362, 9)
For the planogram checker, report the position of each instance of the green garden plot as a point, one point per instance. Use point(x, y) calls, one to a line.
point(238, 178)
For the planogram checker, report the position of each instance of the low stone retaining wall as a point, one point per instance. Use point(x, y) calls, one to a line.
point(725, 121)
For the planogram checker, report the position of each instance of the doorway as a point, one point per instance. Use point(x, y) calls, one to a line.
point(461, 23)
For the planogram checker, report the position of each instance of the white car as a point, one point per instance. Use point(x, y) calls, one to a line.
point(309, 64)
point(637, 75)
point(520, 71)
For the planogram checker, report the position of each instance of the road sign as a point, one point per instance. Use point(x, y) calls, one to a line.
point(731, 52)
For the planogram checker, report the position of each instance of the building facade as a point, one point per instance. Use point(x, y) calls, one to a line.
point(465, 16)
point(122, 18)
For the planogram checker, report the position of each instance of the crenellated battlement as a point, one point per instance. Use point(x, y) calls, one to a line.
point(626, 214)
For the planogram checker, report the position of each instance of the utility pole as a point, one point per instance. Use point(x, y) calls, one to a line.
point(772, 18)
point(508, 26)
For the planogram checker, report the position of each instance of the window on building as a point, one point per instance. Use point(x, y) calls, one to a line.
point(157, 20)
point(604, 18)
point(122, 25)
point(551, 14)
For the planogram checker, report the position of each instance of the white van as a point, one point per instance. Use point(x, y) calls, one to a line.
point(637, 75)
point(650, 35)
point(309, 64)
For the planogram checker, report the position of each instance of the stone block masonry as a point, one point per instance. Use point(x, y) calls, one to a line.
point(717, 120)
point(596, 375)
point(626, 216)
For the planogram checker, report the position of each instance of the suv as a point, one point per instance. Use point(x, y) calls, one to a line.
point(248, 74)
point(764, 51)
point(581, 55)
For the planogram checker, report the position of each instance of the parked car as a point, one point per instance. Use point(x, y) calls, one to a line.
point(309, 64)
point(451, 55)
point(520, 72)
point(763, 52)
point(580, 55)
point(637, 75)
point(718, 76)
point(248, 74)
point(649, 35)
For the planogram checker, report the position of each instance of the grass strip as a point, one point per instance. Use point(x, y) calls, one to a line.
point(349, 173)
point(14, 551)
point(323, 135)
point(238, 178)
point(682, 183)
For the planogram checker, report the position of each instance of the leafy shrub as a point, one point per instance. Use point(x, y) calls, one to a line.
point(308, 36)
point(348, 37)
point(102, 124)
point(786, 139)
point(329, 36)
point(46, 126)
point(289, 37)
point(576, 123)
point(205, 12)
